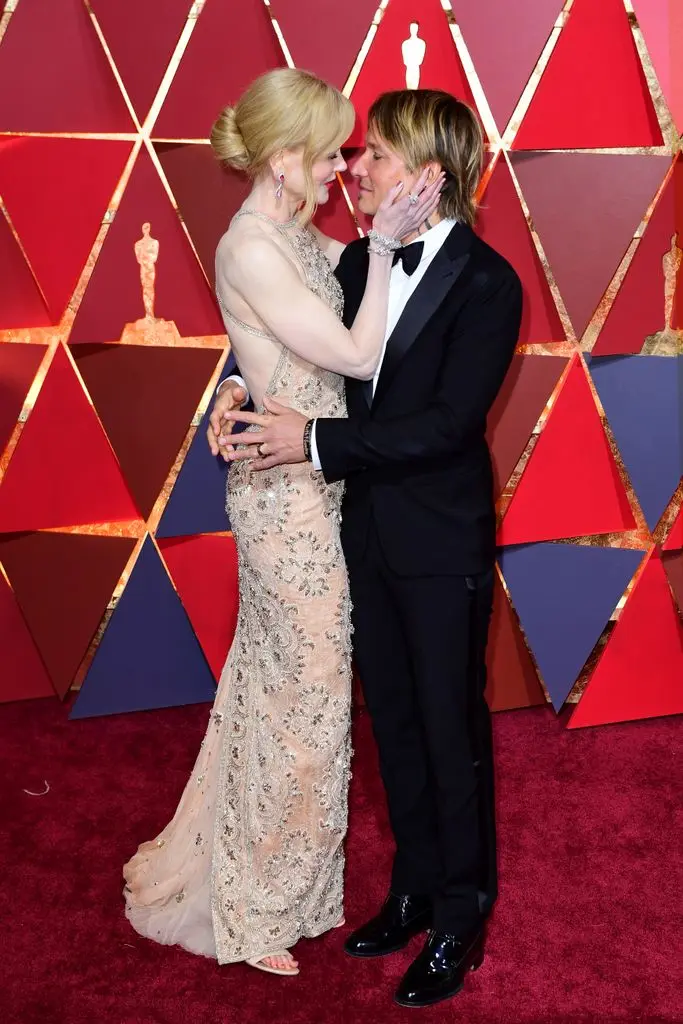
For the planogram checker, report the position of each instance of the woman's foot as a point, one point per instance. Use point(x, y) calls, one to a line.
point(282, 962)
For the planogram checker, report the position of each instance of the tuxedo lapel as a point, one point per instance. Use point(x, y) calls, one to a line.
point(353, 281)
point(441, 275)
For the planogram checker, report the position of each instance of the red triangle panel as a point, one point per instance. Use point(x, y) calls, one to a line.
point(141, 36)
point(571, 485)
point(324, 36)
point(57, 192)
point(162, 388)
point(54, 74)
point(673, 566)
point(231, 45)
point(529, 383)
point(501, 223)
point(18, 365)
point(661, 22)
point(593, 93)
point(63, 471)
point(21, 304)
point(639, 309)
point(675, 537)
point(384, 69)
point(63, 583)
point(640, 674)
point(113, 297)
point(22, 673)
point(208, 195)
point(505, 41)
point(195, 564)
point(584, 222)
point(512, 679)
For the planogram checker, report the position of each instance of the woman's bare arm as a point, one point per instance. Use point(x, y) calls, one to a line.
point(265, 278)
point(256, 268)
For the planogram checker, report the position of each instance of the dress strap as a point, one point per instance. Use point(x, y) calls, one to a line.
point(240, 323)
point(278, 225)
point(282, 229)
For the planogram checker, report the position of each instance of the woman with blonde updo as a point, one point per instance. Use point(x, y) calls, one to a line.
point(253, 858)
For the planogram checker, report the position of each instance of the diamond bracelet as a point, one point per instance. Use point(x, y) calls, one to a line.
point(382, 245)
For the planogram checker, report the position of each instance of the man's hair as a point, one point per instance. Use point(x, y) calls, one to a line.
point(425, 125)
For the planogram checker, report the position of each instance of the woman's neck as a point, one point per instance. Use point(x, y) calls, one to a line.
point(262, 198)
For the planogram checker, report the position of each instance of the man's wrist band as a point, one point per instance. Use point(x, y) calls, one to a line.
point(308, 430)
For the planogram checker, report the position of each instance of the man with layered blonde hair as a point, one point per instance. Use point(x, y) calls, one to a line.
point(418, 532)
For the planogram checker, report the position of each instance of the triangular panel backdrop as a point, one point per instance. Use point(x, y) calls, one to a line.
point(112, 510)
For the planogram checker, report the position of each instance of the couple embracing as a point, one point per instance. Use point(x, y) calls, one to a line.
point(361, 501)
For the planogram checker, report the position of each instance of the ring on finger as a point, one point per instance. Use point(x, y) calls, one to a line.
point(413, 199)
point(260, 448)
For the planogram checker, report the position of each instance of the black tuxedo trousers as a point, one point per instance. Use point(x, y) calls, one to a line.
point(419, 645)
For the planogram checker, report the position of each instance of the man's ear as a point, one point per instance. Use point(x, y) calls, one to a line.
point(434, 169)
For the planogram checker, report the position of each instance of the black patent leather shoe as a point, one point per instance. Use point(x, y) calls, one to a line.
point(398, 921)
point(440, 969)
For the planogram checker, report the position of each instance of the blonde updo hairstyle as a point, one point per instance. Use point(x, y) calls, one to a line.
point(284, 109)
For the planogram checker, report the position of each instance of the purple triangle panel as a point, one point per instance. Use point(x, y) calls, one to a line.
point(505, 41)
point(564, 595)
point(197, 501)
point(586, 208)
point(641, 396)
point(149, 656)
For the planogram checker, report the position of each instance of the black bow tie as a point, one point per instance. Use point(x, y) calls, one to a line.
point(410, 256)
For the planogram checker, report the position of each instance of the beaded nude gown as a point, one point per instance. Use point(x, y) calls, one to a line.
point(253, 858)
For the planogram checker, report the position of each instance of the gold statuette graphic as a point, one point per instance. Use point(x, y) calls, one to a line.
point(147, 254)
point(149, 330)
point(671, 264)
point(669, 341)
point(413, 51)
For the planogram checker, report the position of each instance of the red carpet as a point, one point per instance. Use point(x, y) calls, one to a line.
point(587, 928)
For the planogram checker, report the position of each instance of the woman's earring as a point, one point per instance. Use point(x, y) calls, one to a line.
point(280, 185)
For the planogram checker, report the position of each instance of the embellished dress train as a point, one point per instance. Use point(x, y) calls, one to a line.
point(253, 857)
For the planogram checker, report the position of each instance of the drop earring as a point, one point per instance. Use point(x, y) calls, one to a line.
point(280, 185)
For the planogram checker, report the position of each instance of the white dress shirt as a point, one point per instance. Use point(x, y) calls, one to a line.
point(401, 287)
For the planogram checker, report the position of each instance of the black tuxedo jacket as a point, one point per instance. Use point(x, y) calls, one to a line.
point(415, 460)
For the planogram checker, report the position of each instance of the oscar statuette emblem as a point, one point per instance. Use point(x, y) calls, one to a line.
point(150, 330)
point(669, 341)
point(413, 51)
point(147, 253)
